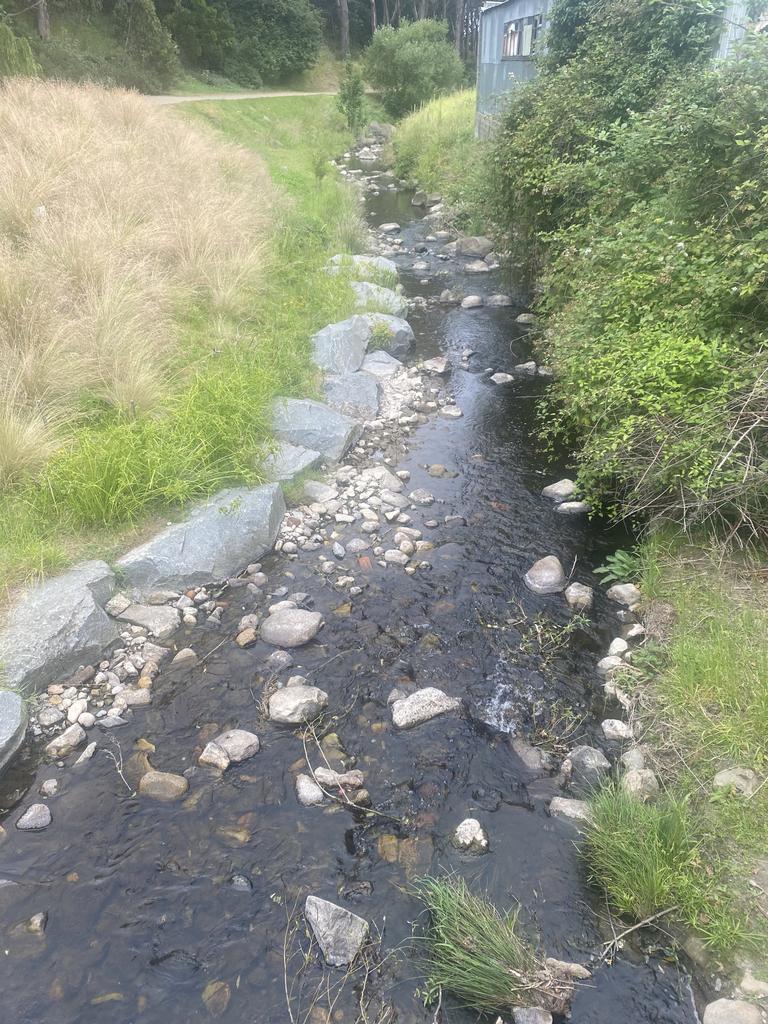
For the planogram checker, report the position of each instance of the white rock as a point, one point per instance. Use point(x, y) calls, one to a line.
point(531, 1015)
point(501, 378)
point(66, 741)
point(50, 787)
point(214, 756)
point(546, 576)
point(626, 594)
point(422, 706)
point(308, 793)
point(470, 836)
point(608, 665)
point(573, 508)
point(472, 302)
point(618, 647)
point(295, 705)
point(641, 784)
point(35, 818)
point(579, 597)
point(291, 627)
point(575, 810)
point(560, 491)
point(731, 1011)
point(421, 497)
point(614, 729)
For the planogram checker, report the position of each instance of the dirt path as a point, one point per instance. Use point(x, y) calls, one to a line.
point(163, 101)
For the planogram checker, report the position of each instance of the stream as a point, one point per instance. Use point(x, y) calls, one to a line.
point(187, 912)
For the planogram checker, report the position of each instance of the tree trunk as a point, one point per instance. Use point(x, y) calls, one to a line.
point(43, 20)
point(386, 12)
point(344, 26)
point(422, 10)
point(459, 25)
point(373, 16)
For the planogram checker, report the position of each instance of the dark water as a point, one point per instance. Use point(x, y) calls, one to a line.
point(143, 915)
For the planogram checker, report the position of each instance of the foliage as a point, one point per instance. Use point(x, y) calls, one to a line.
point(477, 953)
point(279, 37)
point(16, 56)
point(203, 32)
point(145, 40)
point(351, 96)
point(622, 567)
point(412, 64)
point(648, 858)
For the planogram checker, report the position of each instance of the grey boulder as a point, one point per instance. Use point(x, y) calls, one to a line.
point(314, 425)
point(13, 724)
point(159, 620)
point(57, 625)
point(625, 594)
point(391, 334)
point(289, 460)
point(217, 539)
point(290, 627)
point(381, 364)
point(546, 576)
point(341, 347)
point(295, 705)
point(354, 394)
point(66, 741)
point(473, 245)
point(35, 818)
point(563, 490)
point(375, 297)
point(340, 934)
point(731, 1011)
point(585, 768)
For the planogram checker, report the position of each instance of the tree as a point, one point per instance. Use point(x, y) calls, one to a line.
point(15, 55)
point(344, 25)
point(280, 37)
point(412, 64)
point(146, 41)
point(351, 94)
point(203, 32)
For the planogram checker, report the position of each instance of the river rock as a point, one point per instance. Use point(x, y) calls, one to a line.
point(586, 767)
point(742, 781)
point(501, 378)
point(531, 1015)
point(609, 664)
point(579, 597)
point(470, 836)
point(573, 508)
point(422, 706)
point(339, 933)
point(214, 756)
point(76, 708)
point(498, 300)
point(615, 729)
point(49, 787)
point(185, 658)
point(575, 810)
point(362, 265)
point(341, 347)
point(66, 741)
point(472, 302)
point(159, 620)
point(525, 318)
point(316, 490)
point(438, 365)
point(288, 460)
point(57, 625)
point(421, 496)
point(473, 245)
point(390, 334)
point(294, 705)
point(13, 724)
point(314, 425)
point(390, 228)
point(731, 1011)
point(354, 394)
point(546, 576)
point(329, 777)
point(375, 297)
point(291, 627)
point(641, 784)
point(163, 786)
point(626, 594)
point(239, 744)
point(35, 818)
point(308, 793)
point(217, 539)
point(381, 364)
point(563, 490)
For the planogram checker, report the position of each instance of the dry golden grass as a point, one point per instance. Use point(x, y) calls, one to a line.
point(114, 216)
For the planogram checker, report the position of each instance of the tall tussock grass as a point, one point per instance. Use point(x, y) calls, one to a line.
point(114, 215)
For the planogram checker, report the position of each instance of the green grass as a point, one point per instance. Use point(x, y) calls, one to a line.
point(214, 429)
point(477, 954)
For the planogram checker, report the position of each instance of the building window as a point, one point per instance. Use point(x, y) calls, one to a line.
point(520, 36)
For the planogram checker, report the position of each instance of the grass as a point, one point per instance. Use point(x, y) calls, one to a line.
point(436, 146)
point(248, 291)
point(703, 700)
point(477, 954)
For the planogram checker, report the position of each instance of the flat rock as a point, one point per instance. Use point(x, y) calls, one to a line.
point(390, 228)
point(438, 365)
point(354, 394)
point(308, 793)
point(473, 245)
point(295, 705)
point(731, 1011)
point(546, 576)
point(383, 477)
point(290, 627)
point(314, 425)
point(357, 265)
point(579, 597)
point(575, 810)
point(185, 658)
point(289, 460)
point(573, 508)
point(563, 490)
point(742, 781)
point(339, 933)
point(159, 620)
point(376, 298)
point(381, 364)
point(66, 741)
point(341, 347)
point(35, 818)
point(498, 300)
point(57, 625)
point(13, 724)
point(165, 786)
point(422, 706)
point(501, 378)
point(239, 744)
point(216, 540)
point(472, 302)
point(390, 334)
point(626, 594)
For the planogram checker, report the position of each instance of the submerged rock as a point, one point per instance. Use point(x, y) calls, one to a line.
point(470, 836)
point(546, 576)
point(422, 706)
point(295, 705)
point(35, 818)
point(339, 933)
point(291, 627)
point(164, 786)
point(308, 793)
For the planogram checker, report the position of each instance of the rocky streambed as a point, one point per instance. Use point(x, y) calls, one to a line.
point(240, 790)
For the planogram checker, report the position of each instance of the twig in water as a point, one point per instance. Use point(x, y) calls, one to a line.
point(117, 760)
point(612, 947)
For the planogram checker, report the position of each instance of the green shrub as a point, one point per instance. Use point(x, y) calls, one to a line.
point(351, 96)
point(411, 64)
point(277, 37)
point(146, 41)
point(16, 56)
point(203, 32)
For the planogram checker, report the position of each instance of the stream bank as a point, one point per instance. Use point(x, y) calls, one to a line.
point(182, 911)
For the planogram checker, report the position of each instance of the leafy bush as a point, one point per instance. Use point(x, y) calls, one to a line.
point(203, 32)
point(146, 40)
point(411, 64)
point(15, 54)
point(351, 96)
point(277, 37)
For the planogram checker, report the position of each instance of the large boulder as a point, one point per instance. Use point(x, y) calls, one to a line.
point(731, 1011)
point(354, 394)
point(546, 576)
point(289, 460)
point(390, 334)
point(362, 266)
point(340, 934)
point(295, 705)
point(217, 539)
point(56, 626)
point(374, 297)
point(290, 627)
point(314, 425)
point(13, 724)
point(340, 347)
point(473, 245)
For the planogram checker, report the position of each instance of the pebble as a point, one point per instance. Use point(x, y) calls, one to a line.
point(579, 597)
point(49, 787)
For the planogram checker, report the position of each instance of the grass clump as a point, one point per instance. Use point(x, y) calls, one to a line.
point(477, 954)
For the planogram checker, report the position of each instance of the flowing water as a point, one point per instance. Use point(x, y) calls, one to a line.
point(179, 913)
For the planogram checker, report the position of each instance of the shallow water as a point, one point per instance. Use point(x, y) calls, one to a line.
point(151, 904)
